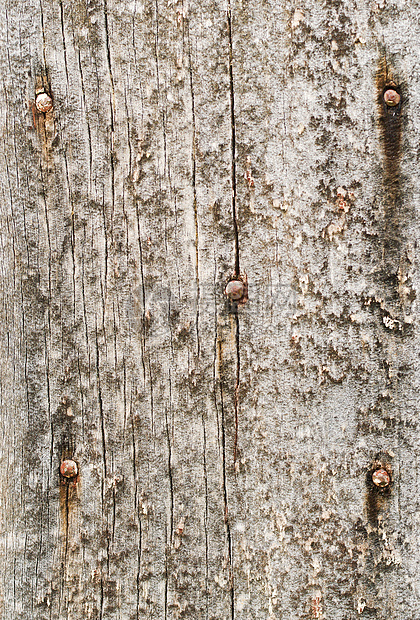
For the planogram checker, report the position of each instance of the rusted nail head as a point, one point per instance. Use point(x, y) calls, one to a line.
point(68, 469)
point(391, 97)
point(43, 102)
point(235, 290)
point(380, 478)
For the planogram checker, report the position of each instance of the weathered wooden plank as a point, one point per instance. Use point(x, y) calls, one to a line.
point(224, 451)
point(327, 342)
point(119, 376)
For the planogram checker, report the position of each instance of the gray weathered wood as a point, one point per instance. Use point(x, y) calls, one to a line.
point(224, 452)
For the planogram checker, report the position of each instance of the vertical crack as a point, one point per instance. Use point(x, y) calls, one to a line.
point(235, 223)
point(65, 513)
point(237, 380)
point(194, 186)
point(66, 525)
point(169, 538)
point(206, 515)
point(166, 594)
point(64, 42)
point(113, 108)
point(226, 515)
point(106, 258)
point(233, 140)
point(86, 111)
point(171, 483)
point(236, 274)
point(139, 523)
point(102, 601)
point(143, 294)
point(100, 401)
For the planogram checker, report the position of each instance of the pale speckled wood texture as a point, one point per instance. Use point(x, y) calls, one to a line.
point(224, 451)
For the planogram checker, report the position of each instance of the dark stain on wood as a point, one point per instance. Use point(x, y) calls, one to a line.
point(377, 498)
point(44, 122)
point(63, 423)
point(391, 119)
point(390, 123)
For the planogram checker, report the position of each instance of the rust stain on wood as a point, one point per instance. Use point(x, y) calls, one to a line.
point(391, 100)
point(69, 494)
point(44, 121)
point(390, 122)
point(377, 497)
point(69, 487)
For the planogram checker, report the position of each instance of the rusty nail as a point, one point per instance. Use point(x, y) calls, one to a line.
point(68, 468)
point(391, 97)
point(43, 102)
point(235, 290)
point(380, 478)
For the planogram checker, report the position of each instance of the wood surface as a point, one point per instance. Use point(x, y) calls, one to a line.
point(225, 450)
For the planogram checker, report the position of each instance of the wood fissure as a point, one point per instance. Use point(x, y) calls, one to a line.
point(194, 186)
point(64, 41)
point(226, 510)
point(233, 141)
point(235, 232)
point(206, 518)
point(237, 386)
point(101, 407)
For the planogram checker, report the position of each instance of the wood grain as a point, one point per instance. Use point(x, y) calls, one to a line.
point(224, 450)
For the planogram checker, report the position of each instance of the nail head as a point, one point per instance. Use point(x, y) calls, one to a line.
point(380, 478)
point(68, 468)
point(43, 102)
point(391, 97)
point(235, 290)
